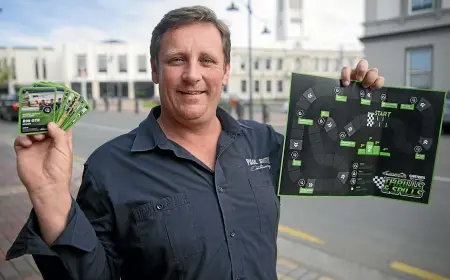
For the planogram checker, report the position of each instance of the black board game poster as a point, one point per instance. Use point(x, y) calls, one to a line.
point(355, 141)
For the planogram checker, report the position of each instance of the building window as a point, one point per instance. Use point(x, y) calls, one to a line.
point(280, 64)
point(419, 67)
point(122, 63)
point(268, 64)
point(36, 68)
point(243, 86)
point(81, 64)
point(268, 86)
point(280, 86)
point(142, 63)
point(256, 86)
point(102, 60)
point(256, 64)
point(416, 6)
point(242, 65)
point(44, 69)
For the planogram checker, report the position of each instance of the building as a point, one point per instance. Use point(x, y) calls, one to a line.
point(114, 68)
point(289, 18)
point(409, 41)
point(272, 68)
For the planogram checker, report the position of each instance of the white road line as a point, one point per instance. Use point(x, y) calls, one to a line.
point(442, 179)
point(104, 127)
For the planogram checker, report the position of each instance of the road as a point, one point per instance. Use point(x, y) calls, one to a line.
point(394, 237)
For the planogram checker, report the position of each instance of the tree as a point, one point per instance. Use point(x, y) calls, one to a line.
point(5, 75)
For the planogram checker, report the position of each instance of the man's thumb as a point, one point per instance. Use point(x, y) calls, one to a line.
point(57, 134)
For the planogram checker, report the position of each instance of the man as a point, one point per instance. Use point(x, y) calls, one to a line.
point(173, 199)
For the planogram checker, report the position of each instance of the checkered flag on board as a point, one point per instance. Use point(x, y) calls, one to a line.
point(379, 181)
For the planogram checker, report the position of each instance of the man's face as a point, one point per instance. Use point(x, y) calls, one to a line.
point(191, 71)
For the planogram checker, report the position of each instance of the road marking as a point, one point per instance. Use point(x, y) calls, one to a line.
point(281, 276)
point(77, 158)
point(104, 127)
point(416, 271)
point(7, 191)
point(442, 179)
point(300, 234)
point(287, 263)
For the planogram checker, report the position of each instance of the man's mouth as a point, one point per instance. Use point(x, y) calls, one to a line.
point(190, 92)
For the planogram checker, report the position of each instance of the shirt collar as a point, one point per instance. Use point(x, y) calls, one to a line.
point(149, 134)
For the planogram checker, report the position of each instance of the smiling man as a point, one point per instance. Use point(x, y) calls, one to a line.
point(178, 197)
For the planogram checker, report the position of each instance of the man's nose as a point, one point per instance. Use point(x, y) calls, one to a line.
point(192, 72)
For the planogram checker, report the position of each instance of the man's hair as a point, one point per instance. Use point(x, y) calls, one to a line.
point(187, 15)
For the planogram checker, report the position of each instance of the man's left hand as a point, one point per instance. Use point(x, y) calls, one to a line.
point(367, 76)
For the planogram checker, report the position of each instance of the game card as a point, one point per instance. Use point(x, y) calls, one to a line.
point(37, 109)
point(61, 94)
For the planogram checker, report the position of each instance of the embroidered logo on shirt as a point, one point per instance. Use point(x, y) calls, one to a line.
point(257, 164)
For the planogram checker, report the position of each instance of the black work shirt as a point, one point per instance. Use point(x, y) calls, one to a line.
point(148, 209)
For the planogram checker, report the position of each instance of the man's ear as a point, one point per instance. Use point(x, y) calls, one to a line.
point(155, 77)
point(226, 76)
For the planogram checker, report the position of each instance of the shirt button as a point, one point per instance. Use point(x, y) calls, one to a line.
point(220, 189)
point(232, 234)
point(159, 206)
point(241, 278)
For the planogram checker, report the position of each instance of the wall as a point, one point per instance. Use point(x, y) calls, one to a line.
point(388, 55)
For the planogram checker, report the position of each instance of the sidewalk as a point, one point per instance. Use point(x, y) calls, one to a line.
point(15, 207)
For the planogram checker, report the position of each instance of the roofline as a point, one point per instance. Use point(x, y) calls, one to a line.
point(27, 48)
point(369, 38)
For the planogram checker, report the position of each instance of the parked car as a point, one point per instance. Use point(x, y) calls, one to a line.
point(9, 107)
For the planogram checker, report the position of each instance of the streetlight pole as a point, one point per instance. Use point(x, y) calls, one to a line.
point(250, 61)
point(234, 8)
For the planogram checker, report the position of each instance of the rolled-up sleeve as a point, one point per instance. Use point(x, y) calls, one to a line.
point(85, 249)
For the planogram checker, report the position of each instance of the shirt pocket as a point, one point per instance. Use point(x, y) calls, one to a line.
point(267, 201)
point(168, 226)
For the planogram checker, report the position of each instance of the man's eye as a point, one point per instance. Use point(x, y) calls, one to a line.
point(207, 60)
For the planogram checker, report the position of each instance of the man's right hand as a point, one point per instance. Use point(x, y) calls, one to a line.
point(44, 165)
point(44, 161)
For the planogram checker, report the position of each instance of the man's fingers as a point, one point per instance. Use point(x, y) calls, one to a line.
point(379, 83)
point(38, 137)
point(370, 77)
point(22, 142)
point(361, 69)
point(345, 75)
point(69, 135)
point(57, 134)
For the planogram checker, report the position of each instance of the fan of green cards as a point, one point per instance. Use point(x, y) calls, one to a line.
point(45, 102)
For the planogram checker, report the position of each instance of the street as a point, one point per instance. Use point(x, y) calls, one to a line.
point(404, 240)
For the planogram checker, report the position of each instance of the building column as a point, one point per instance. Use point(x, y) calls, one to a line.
point(95, 90)
point(11, 88)
point(131, 92)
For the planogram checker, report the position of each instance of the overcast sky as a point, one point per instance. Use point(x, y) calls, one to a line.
point(328, 23)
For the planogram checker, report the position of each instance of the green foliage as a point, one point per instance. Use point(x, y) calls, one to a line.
point(5, 75)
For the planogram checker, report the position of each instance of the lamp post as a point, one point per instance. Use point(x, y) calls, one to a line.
point(234, 8)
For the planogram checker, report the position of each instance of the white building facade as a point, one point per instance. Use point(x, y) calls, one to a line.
point(115, 68)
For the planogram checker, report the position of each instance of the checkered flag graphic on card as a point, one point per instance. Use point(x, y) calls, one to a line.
point(370, 119)
point(379, 181)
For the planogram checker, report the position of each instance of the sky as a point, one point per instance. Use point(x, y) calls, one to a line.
point(328, 23)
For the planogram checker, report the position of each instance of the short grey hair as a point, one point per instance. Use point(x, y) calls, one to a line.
point(187, 15)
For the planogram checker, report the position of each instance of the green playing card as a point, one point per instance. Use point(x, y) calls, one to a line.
point(36, 109)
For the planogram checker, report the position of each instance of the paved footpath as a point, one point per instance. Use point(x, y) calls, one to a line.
point(15, 207)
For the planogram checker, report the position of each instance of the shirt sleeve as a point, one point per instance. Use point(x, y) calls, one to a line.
point(85, 249)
